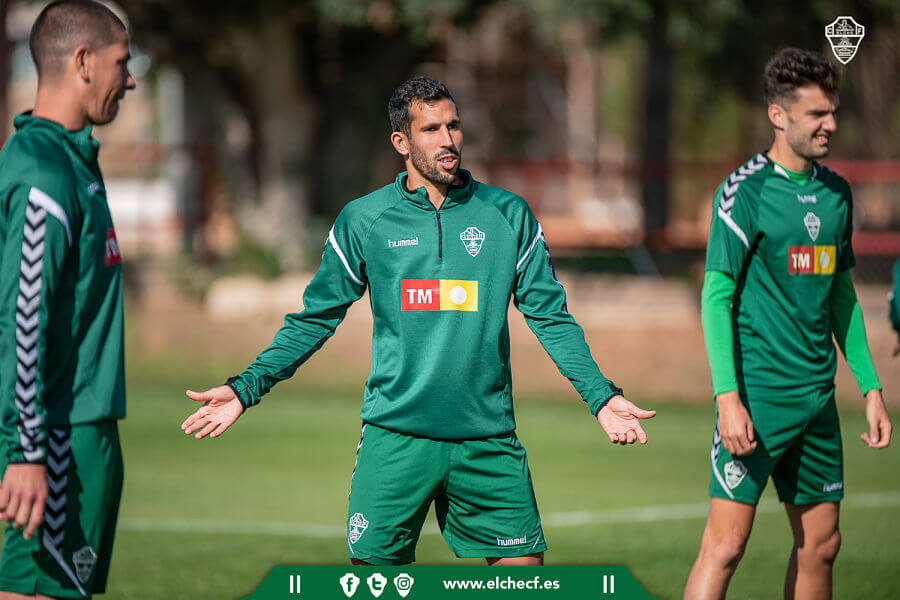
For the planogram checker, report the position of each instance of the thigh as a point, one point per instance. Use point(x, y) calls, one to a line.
point(489, 506)
point(70, 555)
point(812, 470)
point(394, 481)
point(777, 422)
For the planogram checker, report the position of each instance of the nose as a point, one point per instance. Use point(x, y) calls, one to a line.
point(130, 82)
point(448, 138)
point(830, 124)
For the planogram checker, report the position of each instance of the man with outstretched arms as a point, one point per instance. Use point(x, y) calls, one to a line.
point(62, 373)
point(777, 288)
point(441, 255)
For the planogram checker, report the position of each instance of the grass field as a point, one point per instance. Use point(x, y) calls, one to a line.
point(208, 519)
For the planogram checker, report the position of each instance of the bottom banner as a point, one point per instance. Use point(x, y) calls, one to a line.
point(552, 583)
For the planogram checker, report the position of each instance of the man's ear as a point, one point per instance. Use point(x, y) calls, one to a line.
point(82, 58)
point(778, 116)
point(400, 143)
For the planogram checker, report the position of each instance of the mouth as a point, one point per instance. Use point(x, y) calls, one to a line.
point(449, 161)
point(822, 139)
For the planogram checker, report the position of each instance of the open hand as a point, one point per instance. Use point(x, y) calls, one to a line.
point(620, 419)
point(221, 408)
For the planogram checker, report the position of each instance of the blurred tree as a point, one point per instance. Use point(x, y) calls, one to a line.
point(306, 83)
point(4, 62)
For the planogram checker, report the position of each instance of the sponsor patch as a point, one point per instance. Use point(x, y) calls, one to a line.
point(357, 525)
point(403, 243)
point(112, 256)
point(438, 294)
point(833, 487)
point(806, 198)
point(811, 260)
point(734, 473)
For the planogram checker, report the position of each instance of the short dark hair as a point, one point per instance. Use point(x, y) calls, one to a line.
point(66, 24)
point(419, 88)
point(792, 68)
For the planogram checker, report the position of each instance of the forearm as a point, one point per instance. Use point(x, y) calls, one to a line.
point(715, 315)
point(850, 332)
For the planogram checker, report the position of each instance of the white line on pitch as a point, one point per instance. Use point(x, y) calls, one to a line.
point(645, 514)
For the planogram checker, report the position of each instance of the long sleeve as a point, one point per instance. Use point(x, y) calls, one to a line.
point(541, 298)
point(37, 239)
point(850, 332)
point(338, 283)
point(715, 315)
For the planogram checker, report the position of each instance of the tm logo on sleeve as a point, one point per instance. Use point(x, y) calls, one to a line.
point(438, 294)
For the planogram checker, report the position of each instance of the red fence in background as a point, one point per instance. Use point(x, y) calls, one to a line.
point(555, 190)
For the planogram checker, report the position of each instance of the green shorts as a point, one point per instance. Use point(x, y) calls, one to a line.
point(481, 491)
point(69, 556)
point(798, 443)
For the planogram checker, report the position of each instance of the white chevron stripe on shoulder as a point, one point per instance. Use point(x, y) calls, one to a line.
point(539, 235)
point(343, 258)
point(43, 200)
point(726, 217)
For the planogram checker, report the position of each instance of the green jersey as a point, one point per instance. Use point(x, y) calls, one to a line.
point(60, 288)
point(440, 283)
point(782, 242)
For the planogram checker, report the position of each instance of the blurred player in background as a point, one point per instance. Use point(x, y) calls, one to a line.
point(441, 255)
point(895, 306)
point(62, 373)
point(777, 287)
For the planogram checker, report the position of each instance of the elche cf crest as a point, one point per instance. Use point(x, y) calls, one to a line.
point(844, 34)
point(812, 223)
point(472, 238)
point(84, 561)
point(734, 473)
point(358, 525)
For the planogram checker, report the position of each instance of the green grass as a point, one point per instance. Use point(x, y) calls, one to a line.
point(289, 461)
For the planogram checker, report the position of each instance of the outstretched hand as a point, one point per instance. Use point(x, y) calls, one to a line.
point(221, 408)
point(620, 419)
point(23, 496)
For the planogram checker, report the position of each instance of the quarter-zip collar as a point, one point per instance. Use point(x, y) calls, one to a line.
point(456, 194)
point(81, 140)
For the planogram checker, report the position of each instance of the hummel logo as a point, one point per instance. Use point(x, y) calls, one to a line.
point(93, 187)
point(403, 243)
point(810, 199)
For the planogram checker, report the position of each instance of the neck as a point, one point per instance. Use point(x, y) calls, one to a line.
point(782, 153)
point(57, 104)
point(437, 192)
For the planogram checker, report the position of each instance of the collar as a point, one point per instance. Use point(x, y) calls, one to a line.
point(799, 178)
point(81, 139)
point(456, 194)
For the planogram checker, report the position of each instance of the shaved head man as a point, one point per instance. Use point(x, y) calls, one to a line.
point(62, 383)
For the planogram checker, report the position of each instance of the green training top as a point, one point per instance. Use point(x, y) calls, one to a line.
point(782, 243)
point(440, 283)
point(60, 288)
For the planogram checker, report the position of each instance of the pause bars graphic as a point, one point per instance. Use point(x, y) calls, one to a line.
point(295, 584)
point(609, 584)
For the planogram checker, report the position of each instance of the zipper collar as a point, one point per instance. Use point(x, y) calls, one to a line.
point(81, 139)
point(458, 194)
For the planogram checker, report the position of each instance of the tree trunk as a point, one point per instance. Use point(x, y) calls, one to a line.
point(655, 151)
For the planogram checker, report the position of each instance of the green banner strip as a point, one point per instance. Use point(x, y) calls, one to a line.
point(425, 583)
